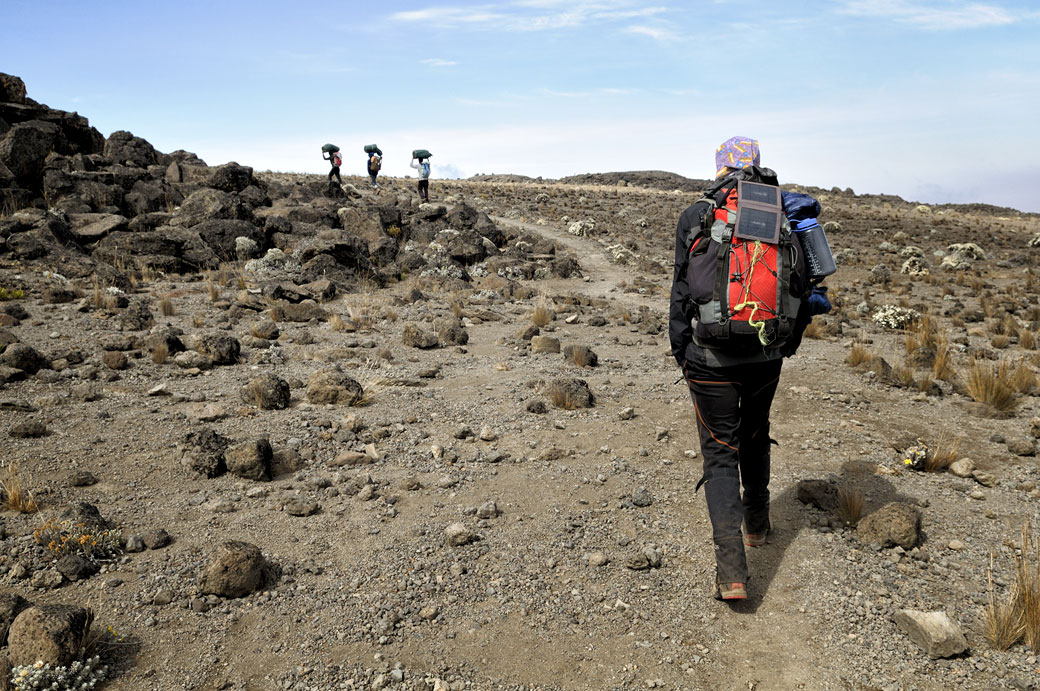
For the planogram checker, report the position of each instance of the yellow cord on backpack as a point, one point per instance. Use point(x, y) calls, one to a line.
point(760, 325)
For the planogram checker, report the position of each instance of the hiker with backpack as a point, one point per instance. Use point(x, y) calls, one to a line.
point(375, 162)
point(742, 294)
point(330, 153)
point(422, 164)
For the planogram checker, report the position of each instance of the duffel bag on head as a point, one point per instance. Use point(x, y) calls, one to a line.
point(373, 149)
point(746, 270)
point(421, 153)
point(329, 148)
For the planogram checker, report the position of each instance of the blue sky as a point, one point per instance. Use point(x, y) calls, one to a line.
point(933, 100)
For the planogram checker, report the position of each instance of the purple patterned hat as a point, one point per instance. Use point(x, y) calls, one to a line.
point(735, 153)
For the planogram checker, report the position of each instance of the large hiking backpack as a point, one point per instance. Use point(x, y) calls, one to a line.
point(375, 162)
point(746, 270)
point(336, 159)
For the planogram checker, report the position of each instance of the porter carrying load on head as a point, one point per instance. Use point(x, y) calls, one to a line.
point(330, 153)
point(420, 161)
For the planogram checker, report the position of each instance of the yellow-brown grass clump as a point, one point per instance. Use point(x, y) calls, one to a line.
point(17, 496)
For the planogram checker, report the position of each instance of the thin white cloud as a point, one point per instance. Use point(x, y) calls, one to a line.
point(947, 15)
point(438, 62)
point(528, 15)
point(606, 91)
point(654, 32)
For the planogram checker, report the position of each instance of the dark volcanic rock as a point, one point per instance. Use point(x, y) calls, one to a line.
point(123, 147)
point(236, 569)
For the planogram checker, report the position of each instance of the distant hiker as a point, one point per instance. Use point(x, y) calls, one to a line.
point(330, 153)
point(422, 164)
point(375, 162)
point(742, 294)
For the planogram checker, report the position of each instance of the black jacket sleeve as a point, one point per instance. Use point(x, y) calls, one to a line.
point(680, 330)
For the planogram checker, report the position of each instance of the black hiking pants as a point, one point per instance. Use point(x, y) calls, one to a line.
point(424, 190)
point(335, 171)
point(732, 407)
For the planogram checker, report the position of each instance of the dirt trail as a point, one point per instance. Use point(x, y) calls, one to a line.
point(604, 275)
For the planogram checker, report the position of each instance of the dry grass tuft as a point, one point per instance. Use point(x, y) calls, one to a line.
point(542, 315)
point(1003, 622)
point(561, 397)
point(166, 306)
point(992, 385)
point(1000, 341)
point(942, 366)
point(160, 354)
point(813, 330)
point(858, 355)
point(372, 384)
point(212, 288)
point(850, 503)
point(1027, 588)
point(16, 496)
point(942, 454)
point(1026, 339)
point(338, 323)
point(1023, 379)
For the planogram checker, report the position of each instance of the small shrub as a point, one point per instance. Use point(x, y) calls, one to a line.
point(11, 294)
point(999, 341)
point(62, 537)
point(16, 496)
point(456, 309)
point(393, 231)
point(160, 354)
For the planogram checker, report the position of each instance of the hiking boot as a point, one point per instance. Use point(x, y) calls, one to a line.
point(755, 539)
point(730, 591)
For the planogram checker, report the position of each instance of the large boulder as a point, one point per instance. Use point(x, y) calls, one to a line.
point(220, 348)
point(51, 633)
point(203, 452)
point(24, 357)
point(221, 235)
point(24, 149)
point(175, 250)
point(12, 89)
point(91, 227)
point(330, 386)
point(236, 569)
point(267, 392)
point(250, 459)
point(895, 523)
point(148, 196)
point(207, 204)
point(123, 147)
point(231, 177)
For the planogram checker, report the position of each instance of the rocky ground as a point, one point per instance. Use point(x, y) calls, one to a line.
point(446, 442)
